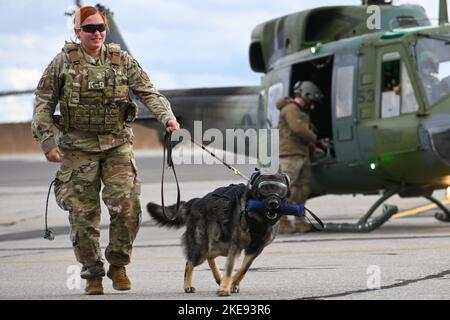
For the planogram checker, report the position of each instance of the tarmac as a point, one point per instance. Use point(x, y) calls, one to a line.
point(407, 258)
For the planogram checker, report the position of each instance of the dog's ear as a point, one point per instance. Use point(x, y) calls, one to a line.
point(253, 178)
point(288, 180)
point(288, 183)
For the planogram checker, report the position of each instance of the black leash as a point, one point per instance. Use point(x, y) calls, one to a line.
point(168, 150)
point(48, 234)
point(315, 218)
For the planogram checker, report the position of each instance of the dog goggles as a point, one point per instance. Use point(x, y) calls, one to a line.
point(267, 188)
point(92, 28)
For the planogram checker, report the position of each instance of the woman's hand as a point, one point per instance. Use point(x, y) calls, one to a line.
point(55, 155)
point(172, 126)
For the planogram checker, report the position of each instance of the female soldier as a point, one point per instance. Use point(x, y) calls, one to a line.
point(91, 82)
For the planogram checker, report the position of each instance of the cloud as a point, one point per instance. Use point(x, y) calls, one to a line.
point(19, 78)
point(164, 80)
point(16, 109)
point(181, 44)
point(29, 49)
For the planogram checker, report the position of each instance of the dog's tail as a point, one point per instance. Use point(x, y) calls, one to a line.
point(156, 213)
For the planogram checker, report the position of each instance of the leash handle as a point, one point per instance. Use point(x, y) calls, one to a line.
point(168, 150)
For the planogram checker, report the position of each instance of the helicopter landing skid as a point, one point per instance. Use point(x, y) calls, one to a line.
point(443, 216)
point(364, 225)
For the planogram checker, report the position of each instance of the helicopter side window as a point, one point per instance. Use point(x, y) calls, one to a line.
point(390, 86)
point(275, 93)
point(409, 101)
point(344, 90)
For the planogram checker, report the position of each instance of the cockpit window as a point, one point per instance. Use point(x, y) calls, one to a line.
point(433, 62)
point(390, 85)
point(397, 91)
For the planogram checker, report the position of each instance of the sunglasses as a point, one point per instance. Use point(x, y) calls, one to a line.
point(92, 28)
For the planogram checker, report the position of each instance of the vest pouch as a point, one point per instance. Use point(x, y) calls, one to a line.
point(121, 92)
point(97, 117)
point(91, 98)
point(58, 121)
point(131, 112)
point(113, 117)
point(116, 93)
point(80, 116)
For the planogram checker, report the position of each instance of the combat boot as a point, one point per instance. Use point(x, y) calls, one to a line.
point(94, 287)
point(119, 277)
point(302, 225)
point(285, 226)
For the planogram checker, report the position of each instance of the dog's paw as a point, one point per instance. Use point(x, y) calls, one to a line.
point(189, 290)
point(234, 289)
point(223, 293)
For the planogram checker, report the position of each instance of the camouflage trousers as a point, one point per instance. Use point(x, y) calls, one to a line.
point(298, 168)
point(77, 190)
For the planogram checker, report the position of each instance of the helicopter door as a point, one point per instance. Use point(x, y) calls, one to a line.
point(344, 115)
point(395, 135)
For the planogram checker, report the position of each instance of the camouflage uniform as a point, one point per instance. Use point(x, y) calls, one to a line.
point(96, 139)
point(298, 168)
point(296, 136)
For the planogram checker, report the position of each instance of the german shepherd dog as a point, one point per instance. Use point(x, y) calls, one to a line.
point(220, 224)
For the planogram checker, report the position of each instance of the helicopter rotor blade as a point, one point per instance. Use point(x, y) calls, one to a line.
point(114, 34)
point(16, 93)
point(443, 12)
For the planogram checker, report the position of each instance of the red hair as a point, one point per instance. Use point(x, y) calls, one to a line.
point(85, 12)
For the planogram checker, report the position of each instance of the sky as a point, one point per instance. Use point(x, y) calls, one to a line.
point(179, 43)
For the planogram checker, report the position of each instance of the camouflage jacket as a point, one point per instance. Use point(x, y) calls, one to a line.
point(296, 130)
point(51, 88)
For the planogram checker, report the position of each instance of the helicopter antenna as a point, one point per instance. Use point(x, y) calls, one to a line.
point(443, 12)
point(114, 34)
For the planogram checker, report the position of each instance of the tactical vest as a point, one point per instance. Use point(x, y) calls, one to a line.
point(227, 199)
point(230, 193)
point(95, 98)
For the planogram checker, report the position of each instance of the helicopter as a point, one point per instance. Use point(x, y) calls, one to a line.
point(385, 127)
point(388, 128)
